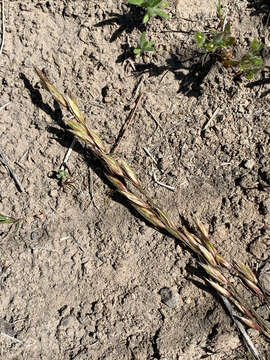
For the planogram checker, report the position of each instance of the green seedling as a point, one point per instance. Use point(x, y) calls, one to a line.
point(144, 46)
point(220, 43)
point(153, 7)
point(65, 181)
point(10, 220)
point(61, 174)
point(217, 42)
point(251, 63)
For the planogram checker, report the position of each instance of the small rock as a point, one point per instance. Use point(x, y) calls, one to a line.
point(249, 164)
point(53, 193)
point(84, 34)
point(247, 182)
point(169, 297)
point(253, 333)
point(259, 247)
point(264, 277)
point(107, 99)
point(36, 235)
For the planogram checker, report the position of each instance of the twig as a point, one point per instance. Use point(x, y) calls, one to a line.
point(247, 340)
point(208, 122)
point(162, 184)
point(138, 86)
point(126, 124)
point(94, 103)
point(155, 120)
point(4, 160)
point(150, 155)
point(11, 338)
point(3, 106)
point(3, 27)
point(64, 163)
point(91, 189)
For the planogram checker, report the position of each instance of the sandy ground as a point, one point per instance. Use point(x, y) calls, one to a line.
point(85, 277)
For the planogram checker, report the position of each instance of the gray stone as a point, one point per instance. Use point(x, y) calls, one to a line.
point(169, 297)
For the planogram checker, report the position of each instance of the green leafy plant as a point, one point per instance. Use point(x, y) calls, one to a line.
point(144, 46)
point(251, 63)
point(153, 7)
point(217, 42)
point(220, 43)
point(61, 174)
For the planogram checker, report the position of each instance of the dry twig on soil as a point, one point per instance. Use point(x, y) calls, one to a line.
point(126, 125)
point(4, 160)
point(121, 176)
point(3, 26)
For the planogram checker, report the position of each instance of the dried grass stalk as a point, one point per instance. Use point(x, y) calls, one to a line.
point(121, 174)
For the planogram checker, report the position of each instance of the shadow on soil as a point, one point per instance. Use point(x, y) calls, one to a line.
point(126, 22)
point(261, 8)
point(190, 77)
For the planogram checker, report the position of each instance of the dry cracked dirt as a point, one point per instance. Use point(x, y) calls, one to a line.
point(84, 277)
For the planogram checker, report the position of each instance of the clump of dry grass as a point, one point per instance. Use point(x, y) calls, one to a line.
point(121, 176)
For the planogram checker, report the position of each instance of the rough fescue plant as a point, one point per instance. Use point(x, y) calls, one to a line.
point(144, 46)
point(153, 7)
point(221, 42)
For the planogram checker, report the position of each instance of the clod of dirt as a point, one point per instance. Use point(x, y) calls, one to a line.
point(247, 182)
point(249, 164)
point(264, 277)
point(259, 247)
point(169, 297)
point(36, 235)
point(53, 193)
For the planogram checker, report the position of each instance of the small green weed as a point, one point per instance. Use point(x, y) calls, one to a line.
point(153, 7)
point(220, 43)
point(144, 46)
point(251, 63)
point(10, 220)
point(65, 180)
point(61, 174)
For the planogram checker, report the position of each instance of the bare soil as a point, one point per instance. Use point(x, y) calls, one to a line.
point(85, 277)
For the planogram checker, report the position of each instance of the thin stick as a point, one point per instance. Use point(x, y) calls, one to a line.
point(126, 124)
point(138, 86)
point(11, 338)
point(247, 340)
point(3, 27)
point(3, 106)
point(208, 122)
point(91, 189)
point(64, 163)
point(4, 160)
point(155, 120)
point(150, 155)
point(162, 184)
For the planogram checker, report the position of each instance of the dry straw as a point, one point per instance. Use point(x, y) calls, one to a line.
point(121, 176)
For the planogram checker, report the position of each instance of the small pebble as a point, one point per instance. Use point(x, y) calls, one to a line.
point(264, 277)
point(53, 193)
point(169, 297)
point(37, 234)
point(249, 164)
point(84, 34)
point(259, 248)
point(107, 99)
